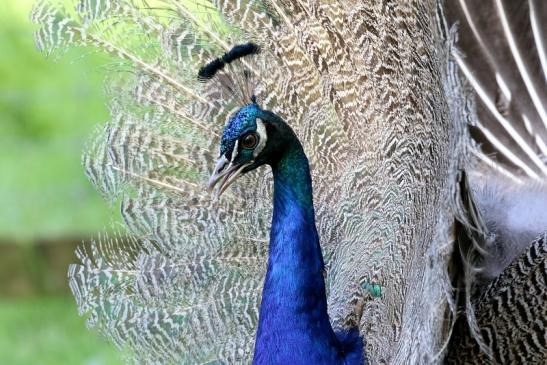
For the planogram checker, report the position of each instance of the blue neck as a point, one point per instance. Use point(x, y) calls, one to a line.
point(294, 325)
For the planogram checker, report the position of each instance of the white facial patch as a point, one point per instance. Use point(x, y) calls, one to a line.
point(261, 130)
point(234, 151)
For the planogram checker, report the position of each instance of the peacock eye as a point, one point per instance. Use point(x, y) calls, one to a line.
point(249, 141)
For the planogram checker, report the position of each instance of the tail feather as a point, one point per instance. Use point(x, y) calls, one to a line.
point(504, 56)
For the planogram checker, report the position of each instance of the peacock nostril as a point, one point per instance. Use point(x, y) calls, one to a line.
point(218, 172)
point(221, 164)
point(221, 168)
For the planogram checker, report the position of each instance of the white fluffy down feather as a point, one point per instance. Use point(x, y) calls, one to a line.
point(515, 214)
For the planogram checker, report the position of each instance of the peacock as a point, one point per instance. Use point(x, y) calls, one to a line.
point(294, 326)
point(422, 239)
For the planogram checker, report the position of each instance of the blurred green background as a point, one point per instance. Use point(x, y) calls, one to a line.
point(48, 109)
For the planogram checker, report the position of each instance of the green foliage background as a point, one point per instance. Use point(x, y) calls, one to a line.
point(48, 109)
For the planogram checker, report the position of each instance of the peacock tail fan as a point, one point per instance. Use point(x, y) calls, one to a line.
point(374, 97)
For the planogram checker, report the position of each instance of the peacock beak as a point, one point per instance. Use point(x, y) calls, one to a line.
point(224, 175)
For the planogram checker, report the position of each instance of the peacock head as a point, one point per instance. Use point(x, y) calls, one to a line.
point(253, 137)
